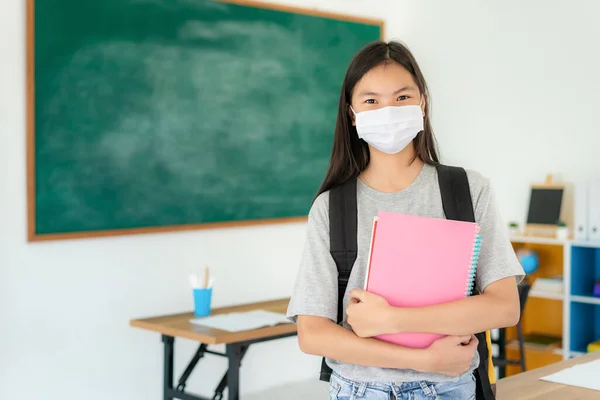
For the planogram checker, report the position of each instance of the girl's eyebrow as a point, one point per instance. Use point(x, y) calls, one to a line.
point(408, 88)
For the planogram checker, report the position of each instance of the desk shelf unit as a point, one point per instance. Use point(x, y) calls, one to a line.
point(574, 315)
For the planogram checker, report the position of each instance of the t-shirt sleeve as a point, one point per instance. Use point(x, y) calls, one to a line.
point(315, 288)
point(497, 258)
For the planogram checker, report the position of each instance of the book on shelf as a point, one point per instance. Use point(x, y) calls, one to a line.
point(548, 284)
point(540, 341)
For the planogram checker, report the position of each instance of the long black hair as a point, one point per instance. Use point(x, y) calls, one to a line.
point(350, 154)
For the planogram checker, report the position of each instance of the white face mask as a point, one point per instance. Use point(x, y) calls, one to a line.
point(389, 129)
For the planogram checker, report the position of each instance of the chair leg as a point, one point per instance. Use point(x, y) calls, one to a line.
point(521, 346)
point(502, 352)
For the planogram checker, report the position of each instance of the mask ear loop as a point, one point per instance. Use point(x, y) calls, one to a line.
point(353, 112)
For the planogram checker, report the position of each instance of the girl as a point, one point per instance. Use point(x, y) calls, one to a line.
point(383, 138)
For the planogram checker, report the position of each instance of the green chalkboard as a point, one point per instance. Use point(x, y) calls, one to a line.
point(158, 114)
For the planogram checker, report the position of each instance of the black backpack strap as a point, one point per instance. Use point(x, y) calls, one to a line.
point(343, 244)
point(456, 195)
point(458, 205)
point(343, 241)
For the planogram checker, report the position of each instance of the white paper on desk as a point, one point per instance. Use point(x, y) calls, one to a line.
point(242, 321)
point(582, 375)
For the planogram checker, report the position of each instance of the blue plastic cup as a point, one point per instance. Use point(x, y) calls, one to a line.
point(202, 301)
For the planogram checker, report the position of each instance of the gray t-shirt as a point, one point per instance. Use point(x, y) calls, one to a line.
point(315, 291)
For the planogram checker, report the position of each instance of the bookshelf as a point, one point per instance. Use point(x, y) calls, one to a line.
point(572, 317)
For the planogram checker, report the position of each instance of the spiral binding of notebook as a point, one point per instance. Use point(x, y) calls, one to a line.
point(473, 268)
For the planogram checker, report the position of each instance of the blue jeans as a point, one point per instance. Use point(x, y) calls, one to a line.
point(344, 389)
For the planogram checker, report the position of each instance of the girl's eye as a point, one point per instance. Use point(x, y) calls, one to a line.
point(402, 98)
point(370, 101)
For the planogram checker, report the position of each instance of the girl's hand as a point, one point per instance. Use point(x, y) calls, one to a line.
point(369, 314)
point(451, 355)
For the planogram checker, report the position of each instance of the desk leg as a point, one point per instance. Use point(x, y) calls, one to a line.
point(168, 367)
point(234, 354)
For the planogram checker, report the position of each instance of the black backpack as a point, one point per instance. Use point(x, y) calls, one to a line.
point(457, 205)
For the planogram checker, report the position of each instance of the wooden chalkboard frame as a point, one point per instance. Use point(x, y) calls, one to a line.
point(32, 236)
point(545, 230)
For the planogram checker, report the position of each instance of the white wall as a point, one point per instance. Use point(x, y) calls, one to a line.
point(515, 89)
point(518, 79)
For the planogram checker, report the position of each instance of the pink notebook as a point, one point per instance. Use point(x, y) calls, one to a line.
point(418, 261)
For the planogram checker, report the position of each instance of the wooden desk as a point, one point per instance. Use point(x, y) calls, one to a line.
point(528, 386)
point(236, 345)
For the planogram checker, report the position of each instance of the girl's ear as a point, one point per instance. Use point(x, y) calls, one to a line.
point(423, 104)
point(351, 114)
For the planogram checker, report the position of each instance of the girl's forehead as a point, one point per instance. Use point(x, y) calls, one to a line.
point(385, 77)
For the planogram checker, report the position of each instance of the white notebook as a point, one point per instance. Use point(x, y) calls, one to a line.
point(582, 375)
point(242, 321)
